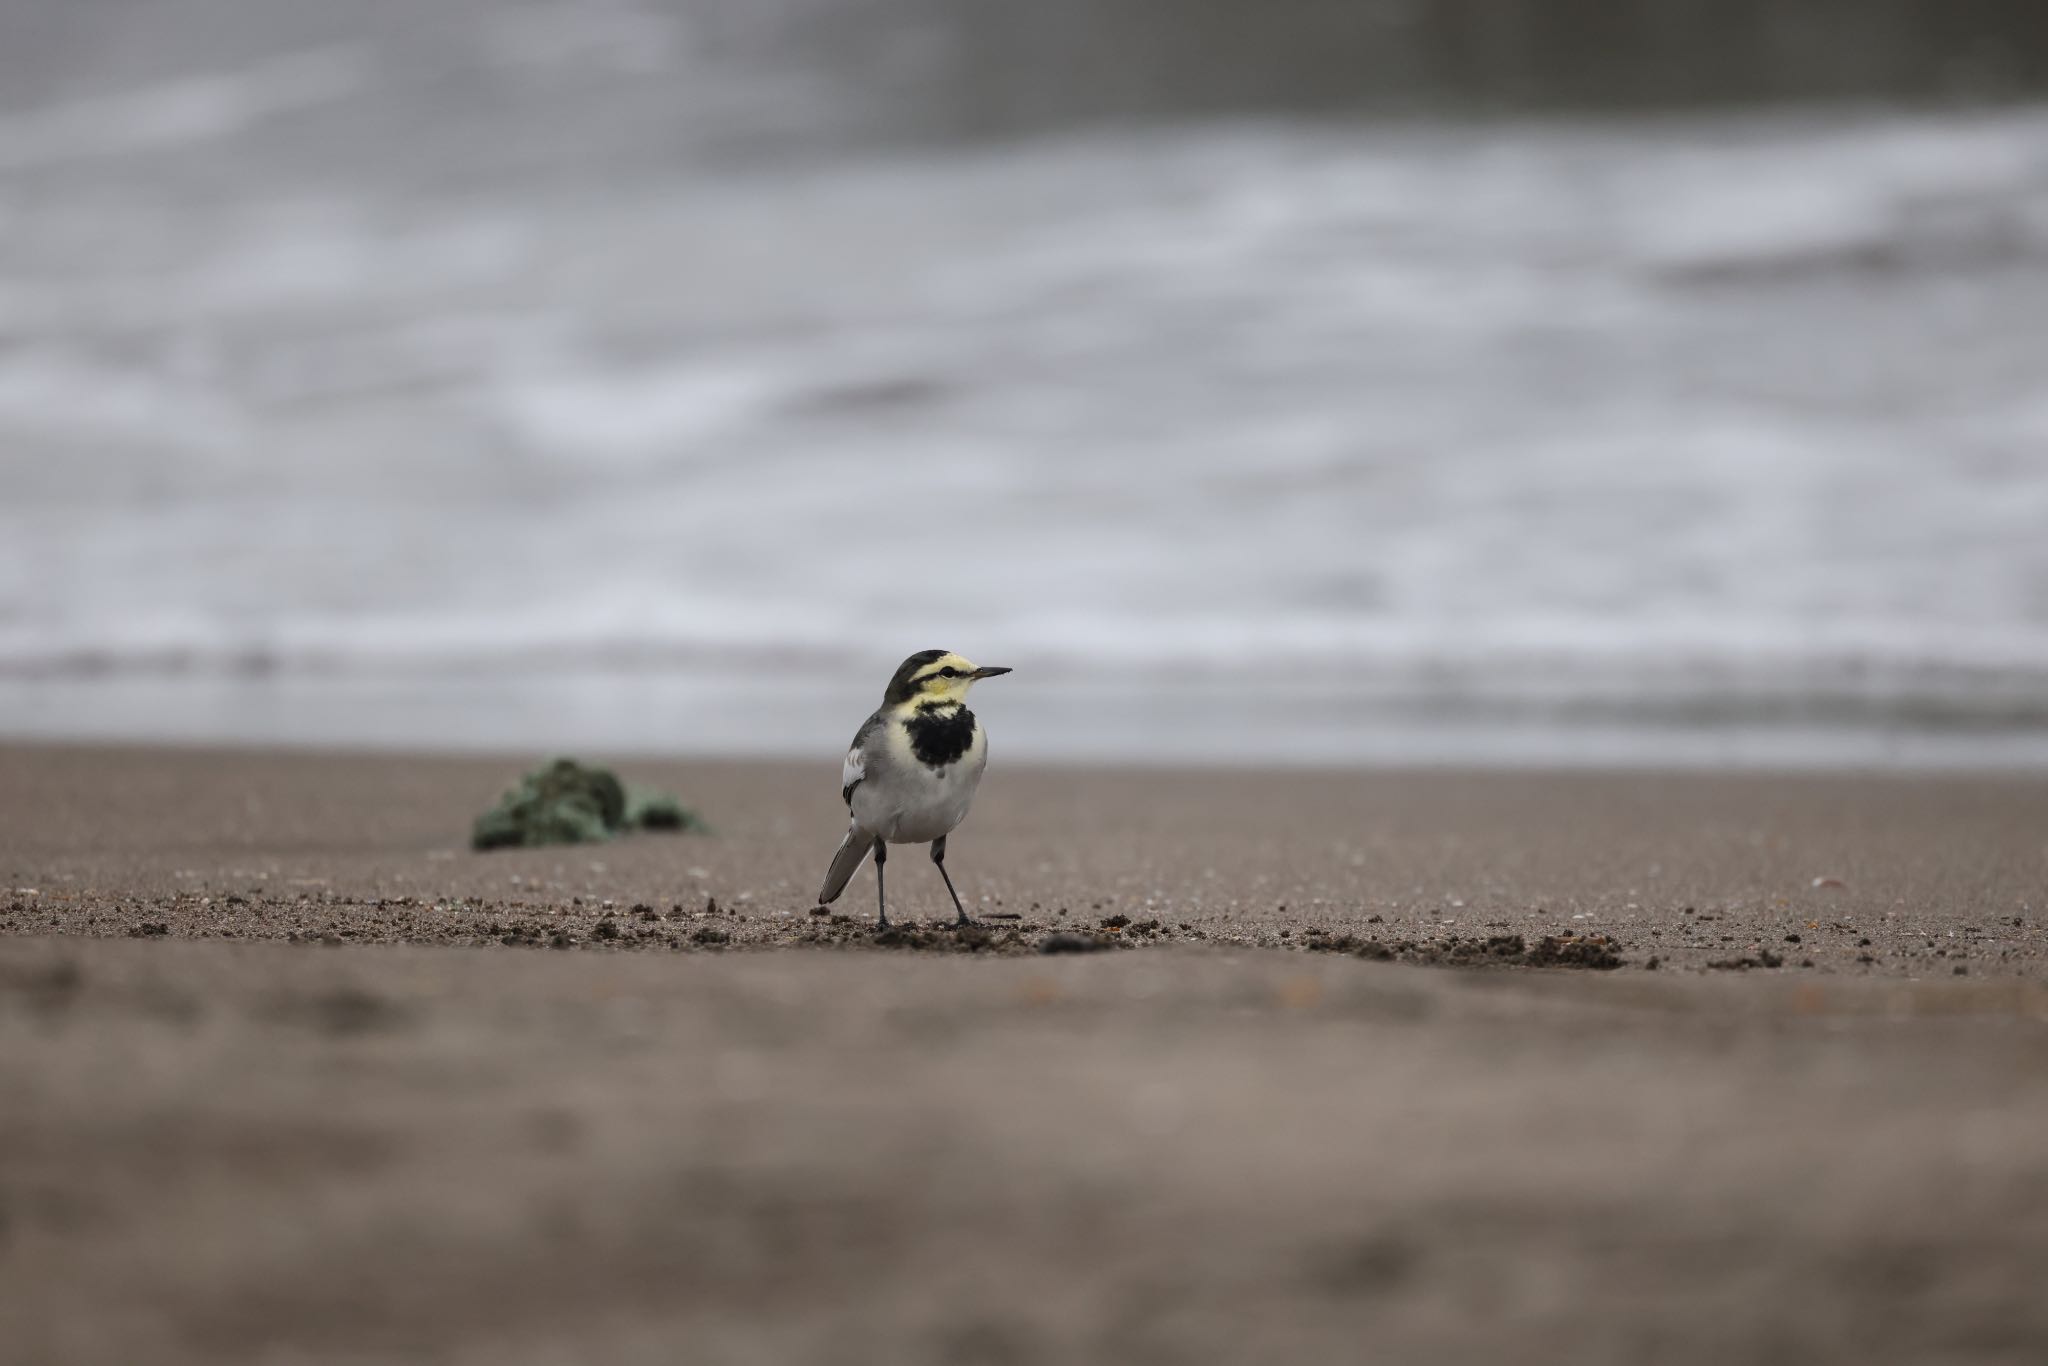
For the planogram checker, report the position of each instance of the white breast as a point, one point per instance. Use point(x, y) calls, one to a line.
point(905, 802)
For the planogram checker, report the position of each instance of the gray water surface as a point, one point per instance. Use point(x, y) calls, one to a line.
point(533, 365)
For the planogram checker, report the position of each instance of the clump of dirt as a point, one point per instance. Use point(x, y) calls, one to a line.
point(949, 938)
point(1762, 958)
point(1503, 950)
point(1460, 951)
point(857, 932)
point(1572, 951)
point(1492, 951)
point(571, 803)
point(1122, 929)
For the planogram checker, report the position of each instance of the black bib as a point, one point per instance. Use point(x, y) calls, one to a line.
point(938, 740)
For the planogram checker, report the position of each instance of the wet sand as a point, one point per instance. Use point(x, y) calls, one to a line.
point(257, 1108)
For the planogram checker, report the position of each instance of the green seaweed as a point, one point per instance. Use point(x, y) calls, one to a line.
point(570, 803)
point(649, 810)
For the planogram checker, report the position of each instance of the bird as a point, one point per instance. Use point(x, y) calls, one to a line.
point(911, 771)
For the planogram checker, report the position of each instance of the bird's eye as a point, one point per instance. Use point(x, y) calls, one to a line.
point(949, 672)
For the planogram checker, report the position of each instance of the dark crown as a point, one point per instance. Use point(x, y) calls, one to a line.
point(901, 686)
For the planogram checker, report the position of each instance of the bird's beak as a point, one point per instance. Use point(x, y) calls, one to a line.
point(988, 671)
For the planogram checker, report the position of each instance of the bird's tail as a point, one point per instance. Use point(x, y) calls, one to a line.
point(852, 850)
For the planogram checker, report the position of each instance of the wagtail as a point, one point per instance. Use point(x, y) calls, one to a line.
point(912, 771)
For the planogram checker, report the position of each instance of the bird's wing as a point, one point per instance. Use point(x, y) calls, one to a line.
point(856, 766)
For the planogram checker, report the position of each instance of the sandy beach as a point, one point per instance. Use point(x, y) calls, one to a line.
point(1467, 1066)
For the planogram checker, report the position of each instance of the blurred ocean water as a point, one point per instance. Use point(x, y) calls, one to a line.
point(538, 380)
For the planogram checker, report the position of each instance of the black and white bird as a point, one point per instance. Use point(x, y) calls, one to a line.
point(911, 773)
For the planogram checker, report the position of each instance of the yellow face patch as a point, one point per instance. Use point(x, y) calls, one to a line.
point(944, 680)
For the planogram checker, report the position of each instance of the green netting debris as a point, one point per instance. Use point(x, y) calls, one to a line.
point(570, 803)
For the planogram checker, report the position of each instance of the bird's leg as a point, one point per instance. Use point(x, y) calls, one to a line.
point(881, 897)
point(939, 859)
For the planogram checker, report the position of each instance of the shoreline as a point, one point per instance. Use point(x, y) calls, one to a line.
point(1059, 720)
